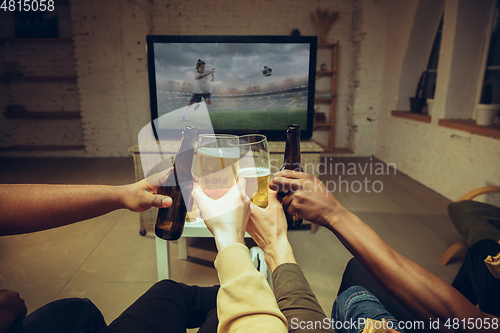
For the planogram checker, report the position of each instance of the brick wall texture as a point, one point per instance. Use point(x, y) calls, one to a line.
point(108, 56)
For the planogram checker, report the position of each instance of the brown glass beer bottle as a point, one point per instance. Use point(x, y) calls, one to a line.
point(179, 181)
point(292, 162)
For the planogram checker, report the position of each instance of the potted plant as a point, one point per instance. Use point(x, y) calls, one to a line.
point(485, 111)
point(418, 102)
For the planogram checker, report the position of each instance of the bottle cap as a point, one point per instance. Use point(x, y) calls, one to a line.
point(293, 127)
point(190, 130)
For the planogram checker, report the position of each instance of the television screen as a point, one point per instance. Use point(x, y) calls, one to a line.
point(232, 84)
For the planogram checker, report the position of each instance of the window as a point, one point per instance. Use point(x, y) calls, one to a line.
point(421, 54)
point(432, 65)
point(490, 91)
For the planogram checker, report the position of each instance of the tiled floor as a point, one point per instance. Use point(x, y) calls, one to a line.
point(106, 260)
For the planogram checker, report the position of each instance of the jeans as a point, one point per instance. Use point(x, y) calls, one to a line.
point(167, 307)
point(356, 304)
point(356, 275)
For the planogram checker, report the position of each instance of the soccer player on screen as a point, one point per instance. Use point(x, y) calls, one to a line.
point(202, 89)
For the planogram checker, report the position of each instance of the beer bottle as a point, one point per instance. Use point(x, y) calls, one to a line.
point(292, 162)
point(179, 180)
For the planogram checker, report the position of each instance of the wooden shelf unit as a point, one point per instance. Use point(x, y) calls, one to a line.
point(43, 115)
point(36, 40)
point(331, 101)
point(325, 73)
point(22, 83)
point(44, 148)
point(16, 78)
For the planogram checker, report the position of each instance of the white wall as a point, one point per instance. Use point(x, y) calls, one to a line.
point(366, 77)
point(451, 162)
point(39, 58)
point(111, 58)
point(109, 48)
point(375, 40)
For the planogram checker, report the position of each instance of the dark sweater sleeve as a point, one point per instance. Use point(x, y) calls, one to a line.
point(297, 301)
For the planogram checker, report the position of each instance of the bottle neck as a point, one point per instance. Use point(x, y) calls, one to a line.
point(292, 151)
point(184, 159)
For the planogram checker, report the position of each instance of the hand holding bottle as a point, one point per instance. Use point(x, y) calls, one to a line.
point(142, 195)
point(307, 196)
point(268, 228)
point(178, 185)
point(291, 162)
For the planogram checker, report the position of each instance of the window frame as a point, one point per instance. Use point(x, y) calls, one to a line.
point(484, 58)
point(434, 71)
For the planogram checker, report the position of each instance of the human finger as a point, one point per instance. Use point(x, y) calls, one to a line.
point(195, 178)
point(289, 174)
point(158, 175)
point(272, 198)
point(201, 198)
point(287, 199)
point(285, 184)
point(160, 201)
point(238, 190)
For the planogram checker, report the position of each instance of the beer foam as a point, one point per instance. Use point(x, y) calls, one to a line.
point(255, 172)
point(224, 152)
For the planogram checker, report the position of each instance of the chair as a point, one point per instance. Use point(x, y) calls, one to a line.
point(472, 220)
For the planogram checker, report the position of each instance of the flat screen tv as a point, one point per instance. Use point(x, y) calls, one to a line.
point(259, 84)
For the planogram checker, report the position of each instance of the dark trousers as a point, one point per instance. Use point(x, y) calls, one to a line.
point(167, 307)
point(356, 275)
point(475, 281)
point(69, 315)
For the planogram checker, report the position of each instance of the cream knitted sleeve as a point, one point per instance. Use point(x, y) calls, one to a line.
point(245, 302)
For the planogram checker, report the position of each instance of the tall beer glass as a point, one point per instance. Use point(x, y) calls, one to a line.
point(255, 167)
point(217, 163)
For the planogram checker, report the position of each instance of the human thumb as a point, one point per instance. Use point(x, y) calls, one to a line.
point(201, 198)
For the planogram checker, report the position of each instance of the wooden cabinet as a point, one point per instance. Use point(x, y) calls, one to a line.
point(38, 84)
point(330, 99)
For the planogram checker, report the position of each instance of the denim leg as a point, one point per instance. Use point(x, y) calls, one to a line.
point(71, 315)
point(355, 304)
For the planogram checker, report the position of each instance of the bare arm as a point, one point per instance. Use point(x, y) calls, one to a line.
point(295, 297)
point(420, 291)
point(198, 77)
point(33, 207)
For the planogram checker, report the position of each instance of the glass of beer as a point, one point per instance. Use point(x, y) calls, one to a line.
point(217, 163)
point(255, 167)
